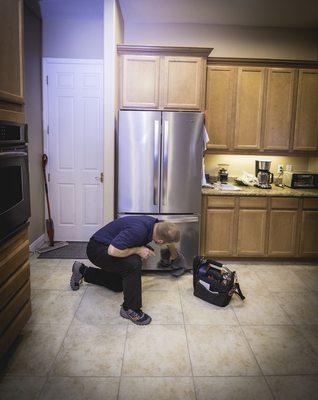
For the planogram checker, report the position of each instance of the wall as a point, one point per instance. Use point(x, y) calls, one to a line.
point(229, 41)
point(33, 109)
point(313, 164)
point(72, 29)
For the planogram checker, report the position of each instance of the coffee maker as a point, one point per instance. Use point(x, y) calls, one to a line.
point(265, 178)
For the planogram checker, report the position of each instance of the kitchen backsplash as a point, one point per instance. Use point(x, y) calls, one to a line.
point(240, 163)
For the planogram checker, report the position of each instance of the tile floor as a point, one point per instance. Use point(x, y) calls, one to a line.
point(76, 346)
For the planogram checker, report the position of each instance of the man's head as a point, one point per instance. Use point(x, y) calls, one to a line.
point(165, 232)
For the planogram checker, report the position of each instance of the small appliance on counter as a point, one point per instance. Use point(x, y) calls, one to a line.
point(300, 179)
point(265, 178)
point(223, 174)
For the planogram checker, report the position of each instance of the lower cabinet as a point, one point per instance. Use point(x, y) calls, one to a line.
point(259, 227)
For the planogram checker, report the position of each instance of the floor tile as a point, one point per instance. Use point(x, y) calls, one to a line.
point(55, 306)
point(259, 308)
point(294, 387)
point(197, 311)
point(100, 306)
point(300, 307)
point(27, 388)
point(234, 388)
point(68, 263)
point(51, 278)
point(249, 280)
point(44, 262)
point(156, 350)
point(146, 388)
point(217, 351)
point(311, 334)
point(281, 350)
point(37, 349)
point(309, 277)
point(159, 282)
point(91, 351)
point(163, 307)
point(185, 283)
point(281, 280)
point(82, 388)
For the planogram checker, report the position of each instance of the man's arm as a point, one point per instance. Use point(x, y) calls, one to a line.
point(142, 251)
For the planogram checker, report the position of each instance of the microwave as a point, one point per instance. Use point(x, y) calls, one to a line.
point(300, 179)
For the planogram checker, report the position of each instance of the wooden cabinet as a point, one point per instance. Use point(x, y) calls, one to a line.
point(276, 227)
point(219, 119)
point(15, 306)
point(249, 100)
point(283, 227)
point(306, 124)
point(278, 108)
point(155, 77)
point(11, 61)
point(140, 81)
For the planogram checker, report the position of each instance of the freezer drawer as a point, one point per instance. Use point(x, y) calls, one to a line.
point(188, 245)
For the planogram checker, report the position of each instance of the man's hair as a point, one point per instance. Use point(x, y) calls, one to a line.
point(168, 232)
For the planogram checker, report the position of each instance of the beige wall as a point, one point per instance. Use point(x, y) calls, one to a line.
point(313, 164)
point(229, 41)
point(240, 163)
point(33, 108)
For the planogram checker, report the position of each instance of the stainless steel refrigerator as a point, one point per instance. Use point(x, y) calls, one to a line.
point(159, 167)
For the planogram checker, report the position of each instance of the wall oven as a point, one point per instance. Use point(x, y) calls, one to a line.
point(14, 178)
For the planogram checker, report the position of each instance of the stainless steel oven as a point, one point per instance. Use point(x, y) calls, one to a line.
point(14, 178)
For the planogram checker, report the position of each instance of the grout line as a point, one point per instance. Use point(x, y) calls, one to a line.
point(122, 364)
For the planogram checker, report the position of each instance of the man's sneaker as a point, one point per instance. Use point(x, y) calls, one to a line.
point(77, 276)
point(137, 317)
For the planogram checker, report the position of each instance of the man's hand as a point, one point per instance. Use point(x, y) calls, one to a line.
point(145, 252)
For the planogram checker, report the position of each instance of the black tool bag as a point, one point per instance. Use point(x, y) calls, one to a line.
point(208, 288)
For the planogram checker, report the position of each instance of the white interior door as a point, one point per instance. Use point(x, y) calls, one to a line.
point(75, 146)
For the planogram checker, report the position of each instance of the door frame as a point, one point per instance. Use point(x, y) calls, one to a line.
point(46, 61)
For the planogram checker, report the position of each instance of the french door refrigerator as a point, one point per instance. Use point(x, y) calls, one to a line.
point(159, 167)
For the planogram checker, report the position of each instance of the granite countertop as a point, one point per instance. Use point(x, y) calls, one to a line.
point(255, 191)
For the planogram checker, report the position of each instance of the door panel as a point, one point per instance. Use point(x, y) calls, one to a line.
point(181, 166)
point(139, 161)
point(251, 232)
point(75, 141)
point(219, 232)
point(282, 233)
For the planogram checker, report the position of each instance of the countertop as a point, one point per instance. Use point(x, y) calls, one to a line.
point(255, 191)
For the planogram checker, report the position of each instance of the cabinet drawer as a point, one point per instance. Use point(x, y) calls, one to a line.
point(278, 202)
point(14, 283)
point(7, 248)
point(311, 203)
point(13, 260)
point(14, 328)
point(253, 202)
point(14, 306)
point(221, 202)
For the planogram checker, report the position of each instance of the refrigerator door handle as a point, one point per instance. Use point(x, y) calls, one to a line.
point(156, 161)
point(165, 162)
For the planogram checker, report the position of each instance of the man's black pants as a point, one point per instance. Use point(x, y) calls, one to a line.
point(116, 273)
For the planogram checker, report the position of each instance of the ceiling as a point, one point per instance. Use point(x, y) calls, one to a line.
point(261, 13)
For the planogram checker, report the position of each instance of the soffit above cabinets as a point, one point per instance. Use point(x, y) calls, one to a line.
point(269, 13)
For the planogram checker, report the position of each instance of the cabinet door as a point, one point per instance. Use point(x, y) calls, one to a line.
point(282, 233)
point(249, 101)
point(306, 125)
point(11, 61)
point(140, 81)
point(219, 105)
point(278, 108)
point(309, 234)
point(251, 232)
point(182, 87)
point(219, 232)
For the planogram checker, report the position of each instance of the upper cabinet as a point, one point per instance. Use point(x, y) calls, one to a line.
point(306, 125)
point(262, 109)
point(11, 61)
point(156, 77)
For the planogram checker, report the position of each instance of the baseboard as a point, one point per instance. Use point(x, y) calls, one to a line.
point(37, 243)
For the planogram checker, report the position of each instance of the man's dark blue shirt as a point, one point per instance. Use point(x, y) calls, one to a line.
point(126, 232)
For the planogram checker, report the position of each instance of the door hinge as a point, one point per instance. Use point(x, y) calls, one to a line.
point(48, 177)
point(47, 79)
point(102, 177)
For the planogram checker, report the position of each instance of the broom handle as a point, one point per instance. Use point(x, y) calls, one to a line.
point(44, 163)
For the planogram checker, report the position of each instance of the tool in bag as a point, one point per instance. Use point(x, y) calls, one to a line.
point(214, 282)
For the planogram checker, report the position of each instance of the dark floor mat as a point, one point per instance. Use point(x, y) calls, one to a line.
point(73, 250)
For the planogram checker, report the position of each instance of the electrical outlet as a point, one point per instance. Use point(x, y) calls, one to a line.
point(280, 168)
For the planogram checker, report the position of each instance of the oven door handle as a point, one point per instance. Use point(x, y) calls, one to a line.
point(13, 154)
